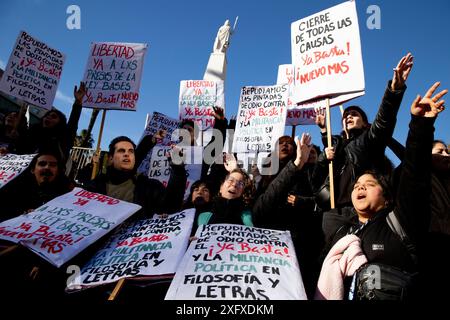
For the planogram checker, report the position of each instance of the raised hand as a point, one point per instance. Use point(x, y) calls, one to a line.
point(401, 72)
point(429, 106)
point(79, 93)
point(320, 121)
point(176, 155)
point(230, 162)
point(303, 148)
point(159, 136)
point(218, 113)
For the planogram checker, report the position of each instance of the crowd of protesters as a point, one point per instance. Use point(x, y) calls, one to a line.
point(397, 219)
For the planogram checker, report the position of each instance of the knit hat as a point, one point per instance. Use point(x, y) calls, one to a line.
point(359, 110)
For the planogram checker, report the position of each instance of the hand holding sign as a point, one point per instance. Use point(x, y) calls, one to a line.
point(401, 72)
point(292, 199)
point(329, 151)
point(159, 136)
point(303, 149)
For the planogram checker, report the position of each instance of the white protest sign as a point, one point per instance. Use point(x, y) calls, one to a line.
point(234, 262)
point(197, 99)
point(144, 167)
point(159, 167)
point(148, 247)
point(305, 113)
point(12, 165)
point(326, 51)
point(33, 71)
point(286, 75)
point(66, 225)
point(160, 121)
point(113, 75)
point(261, 118)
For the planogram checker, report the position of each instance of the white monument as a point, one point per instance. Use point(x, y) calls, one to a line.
point(217, 64)
point(223, 38)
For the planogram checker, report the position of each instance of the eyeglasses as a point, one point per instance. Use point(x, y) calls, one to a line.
point(238, 183)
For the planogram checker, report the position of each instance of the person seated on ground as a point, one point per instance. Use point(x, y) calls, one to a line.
point(391, 227)
point(233, 202)
point(43, 181)
point(121, 181)
point(200, 198)
point(23, 271)
point(362, 145)
point(288, 203)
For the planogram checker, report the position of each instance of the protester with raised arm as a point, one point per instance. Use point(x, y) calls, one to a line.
point(54, 131)
point(286, 202)
point(362, 145)
point(390, 228)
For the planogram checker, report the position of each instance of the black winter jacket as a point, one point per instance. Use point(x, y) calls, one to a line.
point(411, 207)
point(272, 211)
point(364, 150)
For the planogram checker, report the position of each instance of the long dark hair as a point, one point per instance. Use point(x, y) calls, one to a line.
point(61, 125)
point(188, 203)
point(384, 181)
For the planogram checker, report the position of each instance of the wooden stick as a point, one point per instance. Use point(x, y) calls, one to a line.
point(116, 290)
point(342, 110)
point(330, 165)
point(201, 137)
point(99, 140)
point(9, 249)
